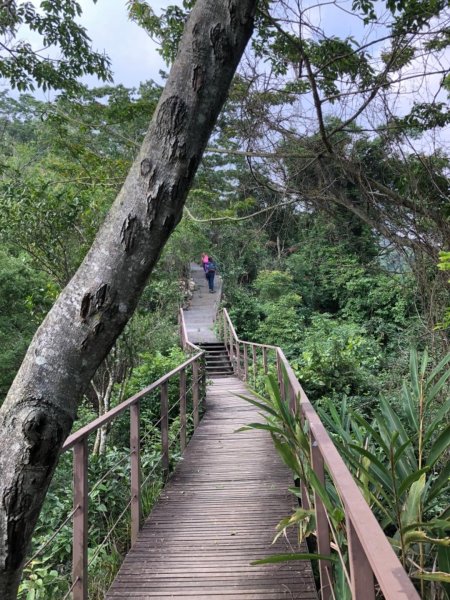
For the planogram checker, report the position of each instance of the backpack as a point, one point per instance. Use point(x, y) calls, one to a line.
point(210, 267)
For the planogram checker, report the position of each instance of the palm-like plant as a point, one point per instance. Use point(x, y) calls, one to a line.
point(400, 459)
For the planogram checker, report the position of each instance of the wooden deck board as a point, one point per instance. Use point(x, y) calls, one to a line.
point(217, 514)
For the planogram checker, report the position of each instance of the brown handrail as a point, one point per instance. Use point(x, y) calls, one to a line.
point(370, 553)
point(185, 343)
point(78, 441)
point(123, 406)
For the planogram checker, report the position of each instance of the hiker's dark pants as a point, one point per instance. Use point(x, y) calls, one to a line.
point(210, 278)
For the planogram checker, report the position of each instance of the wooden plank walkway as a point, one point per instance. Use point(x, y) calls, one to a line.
point(202, 313)
point(216, 515)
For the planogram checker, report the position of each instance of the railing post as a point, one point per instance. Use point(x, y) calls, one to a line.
point(238, 360)
point(165, 428)
point(303, 487)
point(281, 379)
point(80, 521)
point(195, 389)
point(182, 410)
point(135, 448)
point(245, 363)
point(254, 365)
point(203, 382)
point(225, 332)
point(265, 360)
point(293, 401)
point(323, 530)
point(181, 329)
point(361, 574)
point(232, 350)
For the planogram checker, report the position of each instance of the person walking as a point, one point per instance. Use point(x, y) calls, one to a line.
point(210, 271)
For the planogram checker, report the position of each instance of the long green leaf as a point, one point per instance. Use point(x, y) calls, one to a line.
point(400, 451)
point(377, 467)
point(370, 429)
point(442, 480)
point(411, 507)
point(406, 483)
point(260, 405)
point(277, 558)
point(288, 456)
point(437, 420)
point(424, 363)
point(385, 492)
point(437, 387)
point(323, 494)
point(443, 555)
point(302, 439)
point(440, 445)
point(264, 426)
point(394, 425)
point(413, 373)
point(411, 407)
point(280, 405)
point(435, 576)
point(420, 537)
point(437, 369)
point(436, 524)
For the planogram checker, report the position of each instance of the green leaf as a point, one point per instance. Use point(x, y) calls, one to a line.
point(420, 537)
point(277, 558)
point(411, 407)
point(393, 424)
point(413, 373)
point(437, 420)
point(263, 426)
point(443, 555)
point(435, 576)
point(287, 454)
point(437, 369)
point(436, 524)
point(260, 405)
point(424, 363)
point(375, 435)
point(406, 483)
point(441, 481)
point(283, 410)
point(399, 452)
point(437, 387)
point(440, 445)
point(411, 508)
point(377, 467)
point(324, 496)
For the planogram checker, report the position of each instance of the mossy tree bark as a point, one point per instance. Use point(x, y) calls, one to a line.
point(90, 313)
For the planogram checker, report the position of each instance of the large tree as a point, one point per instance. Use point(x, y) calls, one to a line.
point(93, 309)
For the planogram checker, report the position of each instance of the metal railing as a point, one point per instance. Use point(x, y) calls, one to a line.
point(78, 443)
point(371, 559)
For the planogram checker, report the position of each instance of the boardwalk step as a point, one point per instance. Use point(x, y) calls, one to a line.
point(217, 360)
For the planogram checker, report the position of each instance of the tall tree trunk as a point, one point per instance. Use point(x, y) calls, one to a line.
point(90, 313)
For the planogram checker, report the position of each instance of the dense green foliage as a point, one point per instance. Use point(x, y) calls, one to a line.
point(399, 461)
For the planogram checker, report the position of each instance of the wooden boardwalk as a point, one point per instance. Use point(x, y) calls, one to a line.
point(201, 315)
point(216, 515)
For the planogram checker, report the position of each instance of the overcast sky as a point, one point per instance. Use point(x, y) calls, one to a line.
point(133, 54)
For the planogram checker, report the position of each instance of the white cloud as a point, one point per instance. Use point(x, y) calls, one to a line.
point(133, 54)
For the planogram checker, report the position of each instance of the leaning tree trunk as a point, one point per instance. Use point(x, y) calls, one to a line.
point(93, 309)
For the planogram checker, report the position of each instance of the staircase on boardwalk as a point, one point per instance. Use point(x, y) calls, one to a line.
point(218, 362)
